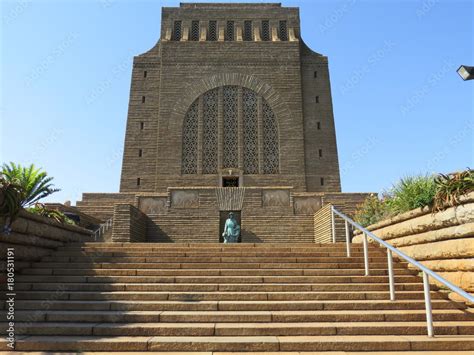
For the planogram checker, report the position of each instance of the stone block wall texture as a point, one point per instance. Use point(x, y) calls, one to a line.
point(443, 241)
point(346, 203)
point(323, 225)
point(101, 205)
point(191, 214)
point(130, 224)
point(195, 216)
point(167, 79)
point(86, 221)
point(34, 237)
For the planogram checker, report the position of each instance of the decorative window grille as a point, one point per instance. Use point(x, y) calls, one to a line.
point(283, 31)
point(190, 140)
point(212, 35)
point(265, 30)
point(229, 33)
point(247, 30)
point(209, 151)
point(177, 31)
point(208, 105)
point(249, 99)
point(271, 156)
point(195, 31)
point(231, 143)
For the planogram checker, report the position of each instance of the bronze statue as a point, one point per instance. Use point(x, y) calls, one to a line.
point(231, 230)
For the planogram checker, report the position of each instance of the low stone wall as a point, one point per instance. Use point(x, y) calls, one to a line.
point(346, 203)
point(192, 214)
point(34, 236)
point(130, 224)
point(86, 221)
point(323, 225)
point(101, 205)
point(443, 241)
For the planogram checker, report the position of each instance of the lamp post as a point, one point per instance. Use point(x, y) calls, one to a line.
point(466, 72)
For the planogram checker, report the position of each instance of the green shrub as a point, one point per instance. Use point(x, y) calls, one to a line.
point(415, 192)
point(411, 192)
point(450, 187)
point(58, 216)
point(11, 195)
point(371, 211)
point(35, 183)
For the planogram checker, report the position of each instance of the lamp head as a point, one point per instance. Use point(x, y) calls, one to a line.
point(466, 72)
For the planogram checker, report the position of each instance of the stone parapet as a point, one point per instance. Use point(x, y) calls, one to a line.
point(442, 241)
point(34, 237)
point(130, 224)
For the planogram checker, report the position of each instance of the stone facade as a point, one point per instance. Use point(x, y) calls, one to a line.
point(229, 111)
point(255, 48)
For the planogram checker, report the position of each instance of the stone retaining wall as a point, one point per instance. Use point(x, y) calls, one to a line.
point(443, 241)
point(130, 224)
point(34, 236)
point(322, 225)
point(346, 203)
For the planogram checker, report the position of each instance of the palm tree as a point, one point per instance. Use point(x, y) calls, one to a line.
point(35, 183)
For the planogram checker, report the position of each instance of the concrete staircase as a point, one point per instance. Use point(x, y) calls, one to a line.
point(223, 298)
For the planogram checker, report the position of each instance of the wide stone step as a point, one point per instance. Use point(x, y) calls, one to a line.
point(232, 305)
point(216, 248)
point(239, 316)
point(200, 259)
point(243, 343)
point(161, 253)
point(211, 272)
point(216, 266)
point(261, 287)
point(241, 329)
point(221, 296)
point(215, 279)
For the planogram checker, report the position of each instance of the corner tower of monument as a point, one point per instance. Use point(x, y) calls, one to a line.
point(230, 96)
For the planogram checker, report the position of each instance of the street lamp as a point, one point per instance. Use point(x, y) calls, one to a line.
point(465, 72)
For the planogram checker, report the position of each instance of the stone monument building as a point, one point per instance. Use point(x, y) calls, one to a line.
point(229, 111)
point(230, 91)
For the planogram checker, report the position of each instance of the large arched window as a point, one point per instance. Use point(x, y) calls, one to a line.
point(230, 127)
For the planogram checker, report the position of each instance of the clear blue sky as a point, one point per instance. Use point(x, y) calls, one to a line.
point(400, 107)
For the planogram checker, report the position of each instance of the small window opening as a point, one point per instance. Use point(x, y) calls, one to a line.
point(140, 152)
point(142, 125)
point(322, 181)
point(247, 30)
point(143, 99)
point(320, 153)
point(229, 34)
point(283, 31)
point(212, 35)
point(265, 30)
point(195, 30)
point(144, 74)
point(177, 31)
point(138, 181)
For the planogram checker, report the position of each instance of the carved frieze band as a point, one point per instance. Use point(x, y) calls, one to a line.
point(230, 198)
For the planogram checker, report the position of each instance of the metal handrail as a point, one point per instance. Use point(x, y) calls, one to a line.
point(104, 227)
point(391, 249)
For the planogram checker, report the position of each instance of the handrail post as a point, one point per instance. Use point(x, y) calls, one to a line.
point(348, 247)
point(390, 275)
point(333, 225)
point(391, 249)
point(366, 255)
point(429, 312)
